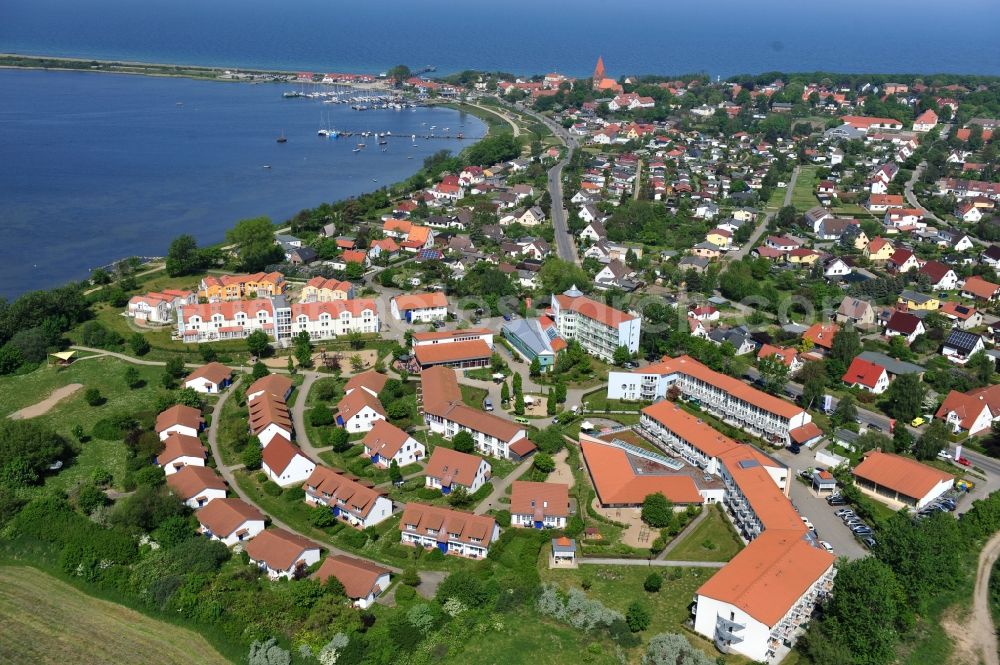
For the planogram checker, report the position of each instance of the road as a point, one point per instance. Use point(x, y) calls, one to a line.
point(500, 486)
point(299, 416)
point(982, 628)
point(911, 198)
point(514, 125)
point(565, 247)
point(759, 231)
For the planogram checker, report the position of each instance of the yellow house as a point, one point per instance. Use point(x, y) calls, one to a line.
point(720, 238)
point(879, 249)
point(802, 256)
point(236, 287)
point(319, 289)
point(707, 250)
point(918, 301)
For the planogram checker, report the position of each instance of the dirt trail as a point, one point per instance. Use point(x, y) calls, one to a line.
point(43, 407)
point(981, 622)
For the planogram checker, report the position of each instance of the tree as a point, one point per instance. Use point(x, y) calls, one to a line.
point(653, 583)
point(550, 403)
point(175, 367)
point(865, 611)
point(673, 649)
point(132, 378)
point(982, 365)
point(519, 403)
point(395, 475)
point(183, 257)
point(139, 344)
point(258, 343)
point(340, 440)
point(303, 349)
point(774, 374)
point(504, 393)
point(253, 244)
point(259, 370)
point(814, 383)
point(846, 411)
point(252, 456)
point(93, 397)
point(398, 74)
point(32, 443)
point(933, 441)
point(536, 367)
point(637, 617)
point(657, 511)
point(357, 364)
point(905, 397)
point(517, 383)
point(621, 355)
point(846, 345)
point(544, 463)
point(459, 497)
point(463, 442)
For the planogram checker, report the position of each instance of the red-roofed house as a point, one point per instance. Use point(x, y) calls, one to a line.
point(905, 325)
point(420, 307)
point(972, 412)
point(867, 375)
point(450, 531)
point(598, 328)
point(285, 464)
point(821, 335)
point(385, 443)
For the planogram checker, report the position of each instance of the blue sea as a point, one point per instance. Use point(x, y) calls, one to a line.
point(720, 37)
point(97, 167)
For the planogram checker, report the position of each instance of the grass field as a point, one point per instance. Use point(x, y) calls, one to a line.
point(618, 586)
point(712, 540)
point(804, 194)
point(46, 620)
point(108, 376)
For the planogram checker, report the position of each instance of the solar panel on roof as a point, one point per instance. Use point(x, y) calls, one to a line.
point(748, 463)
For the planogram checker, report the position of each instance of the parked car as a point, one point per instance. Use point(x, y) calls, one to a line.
point(794, 449)
point(964, 461)
point(836, 501)
point(843, 511)
point(827, 546)
point(870, 542)
point(487, 404)
point(809, 525)
point(944, 454)
point(918, 421)
point(506, 317)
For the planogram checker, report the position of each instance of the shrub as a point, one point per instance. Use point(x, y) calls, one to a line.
point(272, 488)
point(405, 593)
point(252, 457)
point(434, 555)
point(139, 344)
point(294, 494)
point(410, 577)
point(325, 391)
point(354, 538)
point(93, 397)
point(503, 518)
point(428, 493)
point(320, 416)
point(637, 617)
point(653, 583)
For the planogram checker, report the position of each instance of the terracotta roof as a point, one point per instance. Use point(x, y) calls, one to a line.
point(691, 367)
point(901, 474)
point(330, 284)
point(863, 372)
point(212, 372)
point(267, 409)
point(539, 499)
point(409, 301)
point(705, 438)
point(886, 199)
point(192, 480)
point(227, 309)
point(352, 404)
point(749, 470)
point(279, 549)
point(822, 334)
point(436, 335)
point(440, 387)
point(807, 432)
point(617, 482)
point(522, 447)
point(277, 385)
point(450, 466)
point(334, 308)
point(450, 524)
point(980, 288)
point(372, 380)
point(385, 439)
point(358, 577)
point(436, 354)
point(223, 516)
point(178, 414)
point(334, 484)
point(785, 356)
point(768, 577)
point(180, 445)
point(279, 453)
point(968, 406)
point(592, 309)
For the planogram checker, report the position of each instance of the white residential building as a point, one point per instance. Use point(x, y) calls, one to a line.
point(599, 329)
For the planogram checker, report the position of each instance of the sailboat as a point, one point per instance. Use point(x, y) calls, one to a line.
point(282, 139)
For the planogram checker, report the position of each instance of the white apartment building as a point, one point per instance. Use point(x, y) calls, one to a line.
point(451, 531)
point(598, 328)
point(738, 404)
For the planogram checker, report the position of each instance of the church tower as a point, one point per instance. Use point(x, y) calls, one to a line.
point(599, 73)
